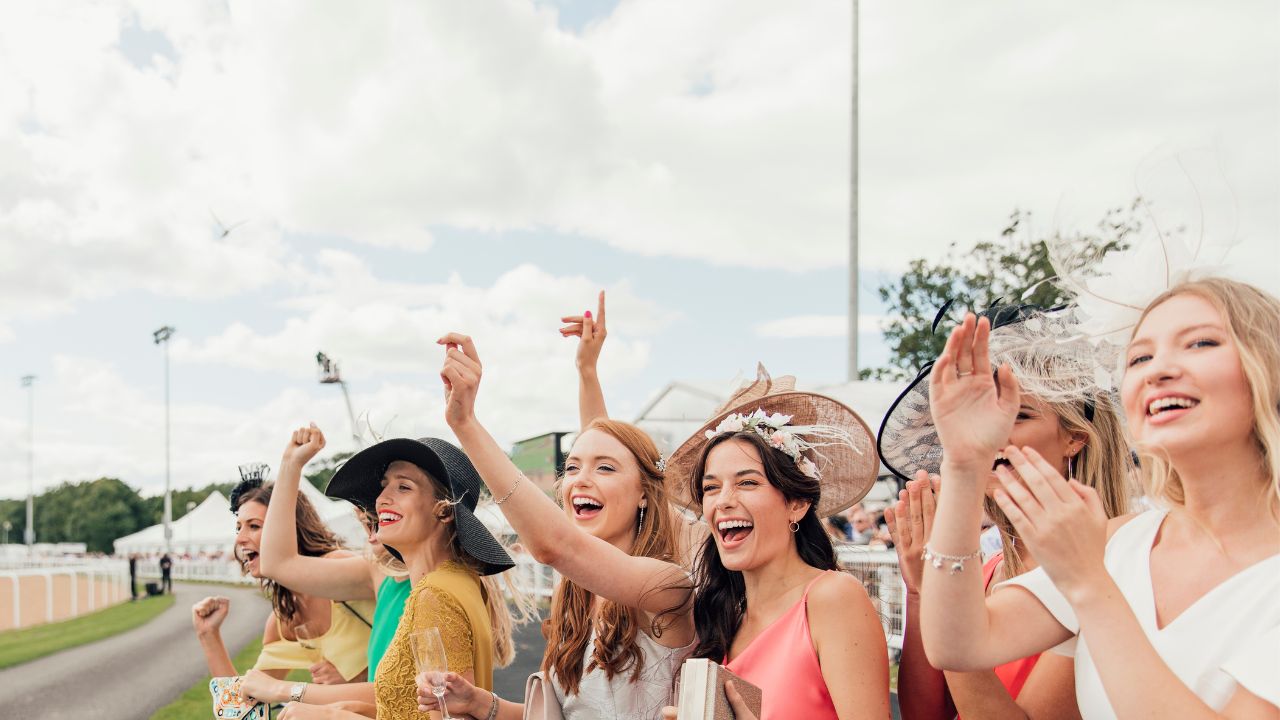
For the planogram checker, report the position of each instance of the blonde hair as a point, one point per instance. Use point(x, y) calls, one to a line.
point(1252, 319)
point(1103, 464)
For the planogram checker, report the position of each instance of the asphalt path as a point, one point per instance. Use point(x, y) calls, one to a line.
point(131, 675)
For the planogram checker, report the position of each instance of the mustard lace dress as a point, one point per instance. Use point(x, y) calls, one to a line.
point(448, 598)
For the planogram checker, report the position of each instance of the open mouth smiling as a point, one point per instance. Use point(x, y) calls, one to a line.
point(734, 531)
point(586, 507)
point(1168, 407)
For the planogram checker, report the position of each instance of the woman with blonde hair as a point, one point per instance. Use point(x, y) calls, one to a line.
point(1064, 415)
point(425, 492)
point(1170, 612)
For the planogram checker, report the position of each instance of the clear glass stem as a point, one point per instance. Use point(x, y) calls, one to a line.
point(444, 710)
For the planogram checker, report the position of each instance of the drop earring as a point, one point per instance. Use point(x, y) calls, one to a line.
point(640, 525)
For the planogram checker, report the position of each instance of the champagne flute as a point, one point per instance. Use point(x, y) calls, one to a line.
point(432, 664)
point(309, 641)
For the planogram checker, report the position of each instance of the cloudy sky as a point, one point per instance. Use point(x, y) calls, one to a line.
point(407, 168)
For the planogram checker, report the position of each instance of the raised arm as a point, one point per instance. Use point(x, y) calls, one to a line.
point(207, 616)
point(333, 578)
point(1065, 526)
point(962, 629)
point(590, 333)
point(651, 585)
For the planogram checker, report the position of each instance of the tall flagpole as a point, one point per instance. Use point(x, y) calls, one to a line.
point(29, 533)
point(853, 209)
point(162, 336)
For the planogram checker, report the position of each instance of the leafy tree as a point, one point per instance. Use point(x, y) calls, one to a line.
point(1013, 269)
point(323, 470)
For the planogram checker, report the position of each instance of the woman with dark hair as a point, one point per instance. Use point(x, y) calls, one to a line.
point(763, 601)
point(343, 629)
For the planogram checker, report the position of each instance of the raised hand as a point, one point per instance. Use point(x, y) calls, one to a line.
point(461, 376)
point(1062, 522)
point(591, 332)
point(303, 445)
point(910, 522)
point(208, 614)
point(973, 413)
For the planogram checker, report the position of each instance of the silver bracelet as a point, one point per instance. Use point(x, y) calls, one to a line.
point(504, 498)
point(493, 708)
point(955, 562)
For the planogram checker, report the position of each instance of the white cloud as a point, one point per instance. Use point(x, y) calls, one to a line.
point(818, 326)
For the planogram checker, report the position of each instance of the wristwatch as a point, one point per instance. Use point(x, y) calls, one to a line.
point(295, 693)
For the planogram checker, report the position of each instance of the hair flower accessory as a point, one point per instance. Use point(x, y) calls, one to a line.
point(827, 441)
point(776, 431)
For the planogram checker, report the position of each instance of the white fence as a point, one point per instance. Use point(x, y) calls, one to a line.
point(58, 589)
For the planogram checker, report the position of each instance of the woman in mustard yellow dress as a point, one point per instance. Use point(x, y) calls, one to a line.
point(424, 492)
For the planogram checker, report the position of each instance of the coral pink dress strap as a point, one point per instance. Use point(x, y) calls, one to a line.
point(781, 662)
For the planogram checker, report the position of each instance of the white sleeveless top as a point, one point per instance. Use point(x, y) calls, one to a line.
point(599, 697)
point(1230, 637)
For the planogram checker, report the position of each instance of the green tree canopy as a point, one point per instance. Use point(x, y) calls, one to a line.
point(1012, 269)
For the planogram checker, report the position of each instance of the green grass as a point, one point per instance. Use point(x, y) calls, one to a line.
point(197, 704)
point(26, 644)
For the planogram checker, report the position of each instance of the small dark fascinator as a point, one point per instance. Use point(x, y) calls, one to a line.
point(252, 476)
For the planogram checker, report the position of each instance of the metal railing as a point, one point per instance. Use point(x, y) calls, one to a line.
point(878, 572)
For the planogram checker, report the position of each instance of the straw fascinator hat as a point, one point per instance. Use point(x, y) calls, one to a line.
point(359, 481)
point(827, 440)
point(1050, 356)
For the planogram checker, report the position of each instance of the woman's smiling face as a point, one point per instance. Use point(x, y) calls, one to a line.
point(406, 507)
point(750, 518)
point(602, 487)
point(249, 519)
point(1184, 387)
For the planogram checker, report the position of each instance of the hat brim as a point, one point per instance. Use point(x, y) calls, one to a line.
point(907, 441)
point(846, 472)
point(359, 481)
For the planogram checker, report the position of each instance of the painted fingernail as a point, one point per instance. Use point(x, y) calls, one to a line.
point(586, 314)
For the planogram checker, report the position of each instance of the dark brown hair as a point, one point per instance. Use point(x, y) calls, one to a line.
point(314, 540)
point(720, 596)
point(569, 627)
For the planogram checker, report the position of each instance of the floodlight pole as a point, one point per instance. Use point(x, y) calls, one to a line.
point(853, 210)
point(161, 337)
point(29, 532)
point(331, 375)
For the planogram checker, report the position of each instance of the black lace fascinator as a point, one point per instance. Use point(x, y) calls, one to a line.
point(252, 477)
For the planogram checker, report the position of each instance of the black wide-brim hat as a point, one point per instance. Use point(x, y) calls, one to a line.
point(359, 481)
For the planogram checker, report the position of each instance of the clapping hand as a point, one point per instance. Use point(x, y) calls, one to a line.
point(1062, 521)
point(973, 411)
point(591, 332)
point(910, 521)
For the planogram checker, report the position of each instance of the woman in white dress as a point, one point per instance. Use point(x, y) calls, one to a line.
point(1171, 612)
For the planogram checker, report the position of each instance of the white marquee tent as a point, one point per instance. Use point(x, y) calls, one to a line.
point(211, 527)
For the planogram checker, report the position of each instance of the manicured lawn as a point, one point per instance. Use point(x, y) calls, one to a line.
point(19, 646)
point(197, 704)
